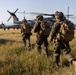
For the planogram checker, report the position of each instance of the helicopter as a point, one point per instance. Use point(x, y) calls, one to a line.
point(17, 24)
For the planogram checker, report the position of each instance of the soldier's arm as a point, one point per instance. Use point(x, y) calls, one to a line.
point(22, 29)
point(30, 29)
point(36, 27)
point(54, 30)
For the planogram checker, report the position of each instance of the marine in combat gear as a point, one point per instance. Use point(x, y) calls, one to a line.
point(26, 33)
point(59, 43)
point(42, 28)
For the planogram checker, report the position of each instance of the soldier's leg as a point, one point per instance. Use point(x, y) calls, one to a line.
point(66, 52)
point(68, 47)
point(56, 53)
point(68, 55)
point(28, 41)
point(39, 43)
point(24, 39)
point(46, 45)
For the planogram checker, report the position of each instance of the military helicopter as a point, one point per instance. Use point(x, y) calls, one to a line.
point(18, 23)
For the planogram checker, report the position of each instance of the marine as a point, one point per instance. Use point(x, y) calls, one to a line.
point(59, 42)
point(42, 28)
point(26, 33)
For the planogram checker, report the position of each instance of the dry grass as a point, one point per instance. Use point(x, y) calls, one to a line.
point(15, 59)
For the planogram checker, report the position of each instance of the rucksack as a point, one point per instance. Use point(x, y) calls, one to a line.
point(36, 27)
point(26, 28)
point(67, 31)
point(45, 28)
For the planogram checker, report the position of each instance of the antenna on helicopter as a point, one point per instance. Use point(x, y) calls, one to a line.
point(68, 15)
point(23, 13)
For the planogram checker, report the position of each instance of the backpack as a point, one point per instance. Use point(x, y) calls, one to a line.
point(67, 31)
point(45, 28)
point(26, 29)
point(36, 27)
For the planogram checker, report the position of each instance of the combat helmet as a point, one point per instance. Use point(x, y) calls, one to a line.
point(59, 14)
point(39, 17)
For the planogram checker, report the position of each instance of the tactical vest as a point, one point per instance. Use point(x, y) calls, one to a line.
point(36, 27)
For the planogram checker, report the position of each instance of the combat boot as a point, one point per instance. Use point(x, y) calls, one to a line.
point(74, 64)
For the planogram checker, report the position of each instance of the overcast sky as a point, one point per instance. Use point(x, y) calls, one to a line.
point(43, 6)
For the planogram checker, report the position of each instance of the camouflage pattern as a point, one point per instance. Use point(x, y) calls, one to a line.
point(26, 33)
point(45, 28)
point(41, 39)
point(26, 28)
point(26, 38)
point(59, 45)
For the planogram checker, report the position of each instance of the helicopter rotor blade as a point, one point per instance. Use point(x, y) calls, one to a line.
point(69, 15)
point(16, 10)
point(8, 11)
point(9, 18)
point(34, 13)
point(72, 17)
point(11, 13)
point(23, 13)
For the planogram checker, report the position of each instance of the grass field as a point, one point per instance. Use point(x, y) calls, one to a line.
point(15, 59)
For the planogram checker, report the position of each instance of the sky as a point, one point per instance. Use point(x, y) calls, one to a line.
point(41, 6)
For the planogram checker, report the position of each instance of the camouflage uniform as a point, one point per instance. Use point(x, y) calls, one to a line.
point(41, 39)
point(59, 43)
point(25, 35)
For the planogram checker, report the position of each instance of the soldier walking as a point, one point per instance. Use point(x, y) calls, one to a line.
point(59, 43)
point(42, 28)
point(26, 32)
